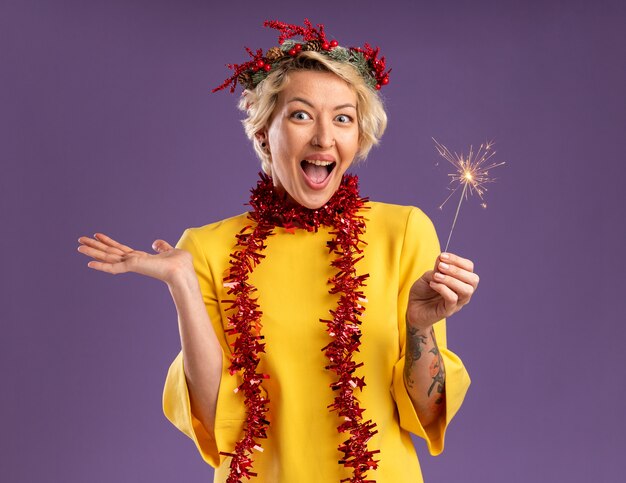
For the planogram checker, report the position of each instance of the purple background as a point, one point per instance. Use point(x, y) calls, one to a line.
point(108, 125)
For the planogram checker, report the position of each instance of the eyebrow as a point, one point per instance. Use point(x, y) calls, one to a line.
point(304, 101)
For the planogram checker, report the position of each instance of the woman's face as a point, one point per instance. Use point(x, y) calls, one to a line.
point(313, 136)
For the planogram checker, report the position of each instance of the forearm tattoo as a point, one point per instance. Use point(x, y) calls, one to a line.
point(414, 346)
point(416, 342)
point(437, 372)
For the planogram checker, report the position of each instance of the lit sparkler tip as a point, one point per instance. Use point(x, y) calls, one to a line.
point(470, 172)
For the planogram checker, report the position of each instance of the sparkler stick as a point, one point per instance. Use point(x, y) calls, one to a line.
point(470, 172)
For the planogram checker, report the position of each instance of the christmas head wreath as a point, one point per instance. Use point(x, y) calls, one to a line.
point(364, 59)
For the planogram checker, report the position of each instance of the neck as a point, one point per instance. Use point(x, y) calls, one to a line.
point(287, 200)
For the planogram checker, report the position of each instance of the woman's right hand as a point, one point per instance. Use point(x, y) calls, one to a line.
point(112, 257)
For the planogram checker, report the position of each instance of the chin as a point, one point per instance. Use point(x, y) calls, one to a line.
point(316, 198)
point(313, 203)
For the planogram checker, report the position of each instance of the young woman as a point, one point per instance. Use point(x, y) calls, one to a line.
point(312, 327)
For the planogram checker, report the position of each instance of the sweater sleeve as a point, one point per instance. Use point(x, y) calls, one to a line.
point(230, 410)
point(419, 252)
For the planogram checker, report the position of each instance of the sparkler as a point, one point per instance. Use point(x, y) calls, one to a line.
point(471, 173)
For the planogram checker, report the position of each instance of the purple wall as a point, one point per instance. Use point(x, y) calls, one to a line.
point(107, 124)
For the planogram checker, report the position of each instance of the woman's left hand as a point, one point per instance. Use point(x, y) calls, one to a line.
point(441, 292)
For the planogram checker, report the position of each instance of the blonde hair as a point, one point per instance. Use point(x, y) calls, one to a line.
point(259, 103)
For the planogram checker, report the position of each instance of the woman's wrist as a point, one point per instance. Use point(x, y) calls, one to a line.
point(183, 278)
point(422, 327)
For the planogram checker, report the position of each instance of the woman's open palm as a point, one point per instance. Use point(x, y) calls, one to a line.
point(113, 257)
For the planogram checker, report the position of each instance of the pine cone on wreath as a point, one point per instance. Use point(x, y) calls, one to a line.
point(245, 79)
point(274, 53)
point(314, 45)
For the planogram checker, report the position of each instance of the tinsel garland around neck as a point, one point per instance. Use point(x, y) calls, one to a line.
point(341, 213)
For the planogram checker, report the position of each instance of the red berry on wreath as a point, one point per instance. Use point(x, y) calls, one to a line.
point(334, 43)
point(267, 67)
point(326, 46)
point(292, 51)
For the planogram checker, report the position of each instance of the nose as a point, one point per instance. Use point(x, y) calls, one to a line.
point(323, 136)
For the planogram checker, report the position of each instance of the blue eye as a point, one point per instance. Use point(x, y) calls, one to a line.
point(342, 118)
point(300, 115)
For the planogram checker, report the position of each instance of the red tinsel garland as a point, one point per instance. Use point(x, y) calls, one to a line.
point(271, 209)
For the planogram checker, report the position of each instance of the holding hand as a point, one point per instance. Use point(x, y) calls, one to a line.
point(441, 292)
point(113, 257)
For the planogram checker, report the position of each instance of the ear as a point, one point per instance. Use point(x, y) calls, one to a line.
point(261, 137)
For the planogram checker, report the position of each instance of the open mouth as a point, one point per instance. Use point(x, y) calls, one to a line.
point(317, 171)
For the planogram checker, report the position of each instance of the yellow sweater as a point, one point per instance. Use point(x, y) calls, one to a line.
point(293, 294)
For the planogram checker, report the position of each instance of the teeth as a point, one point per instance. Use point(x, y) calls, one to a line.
point(319, 162)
